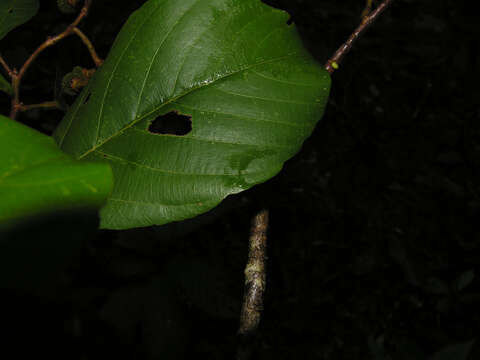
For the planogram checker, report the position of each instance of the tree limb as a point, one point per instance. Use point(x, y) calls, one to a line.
point(367, 20)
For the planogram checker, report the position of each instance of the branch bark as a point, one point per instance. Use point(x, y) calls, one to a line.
point(367, 20)
point(255, 276)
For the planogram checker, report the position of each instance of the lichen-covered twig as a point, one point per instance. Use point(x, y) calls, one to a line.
point(367, 20)
point(255, 276)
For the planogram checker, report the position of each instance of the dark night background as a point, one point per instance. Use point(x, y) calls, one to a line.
point(374, 240)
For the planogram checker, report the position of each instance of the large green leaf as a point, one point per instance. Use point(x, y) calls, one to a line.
point(5, 86)
point(14, 13)
point(253, 93)
point(37, 178)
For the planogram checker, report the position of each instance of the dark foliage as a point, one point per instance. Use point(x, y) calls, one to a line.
point(374, 243)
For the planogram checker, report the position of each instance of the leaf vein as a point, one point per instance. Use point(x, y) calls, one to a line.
point(155, 204)
point(169, 172)
point(120, 58)
point(241, 116)
point(157, 51)
point(265, 99)
point(283, 81)
point(203, 139)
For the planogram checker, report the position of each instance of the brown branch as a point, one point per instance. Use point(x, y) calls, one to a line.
point(45, 105)
point(369, 19)
point(96, 59)
point(16, 79)
point(255, 277)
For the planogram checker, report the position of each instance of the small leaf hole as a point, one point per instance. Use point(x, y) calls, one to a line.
point(171, 123)
point(10, 11)
point(290, 21)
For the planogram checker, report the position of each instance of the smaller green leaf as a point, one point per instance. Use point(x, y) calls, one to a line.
point(5, 86)
point(14, 13)
point(37, 178)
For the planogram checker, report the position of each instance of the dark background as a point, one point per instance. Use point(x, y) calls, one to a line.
point(374, 240)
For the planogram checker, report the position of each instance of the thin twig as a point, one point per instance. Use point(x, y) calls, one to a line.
point(45, 105)
point(333, 62)
point(53, 40)
point(47, 43)
point(6, 67)
point(96, 59)
point(255, 276)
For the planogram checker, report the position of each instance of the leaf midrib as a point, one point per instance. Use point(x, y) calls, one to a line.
point(135, 121)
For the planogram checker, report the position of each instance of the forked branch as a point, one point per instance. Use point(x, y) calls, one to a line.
point(17, 76)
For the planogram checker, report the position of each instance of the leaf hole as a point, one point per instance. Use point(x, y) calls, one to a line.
point(10, 10)
point(290, 21)
point(172, 123)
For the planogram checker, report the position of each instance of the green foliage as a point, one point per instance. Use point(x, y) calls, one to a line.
point(37, 178)
point(14, 13)
point(5, 86)
point(235, 68)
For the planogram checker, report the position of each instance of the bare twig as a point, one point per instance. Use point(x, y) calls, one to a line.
point(17, 78)
point(44, 105)
point(96, 59)
point(255, 277)
point(368, 20)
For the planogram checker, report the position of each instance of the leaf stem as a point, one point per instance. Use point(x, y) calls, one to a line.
point(96, 59)
point(17, 78)
point(368, 19)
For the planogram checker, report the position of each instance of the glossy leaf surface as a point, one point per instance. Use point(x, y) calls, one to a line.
point(234, 68)
point(37, 178)
point(14, 13)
